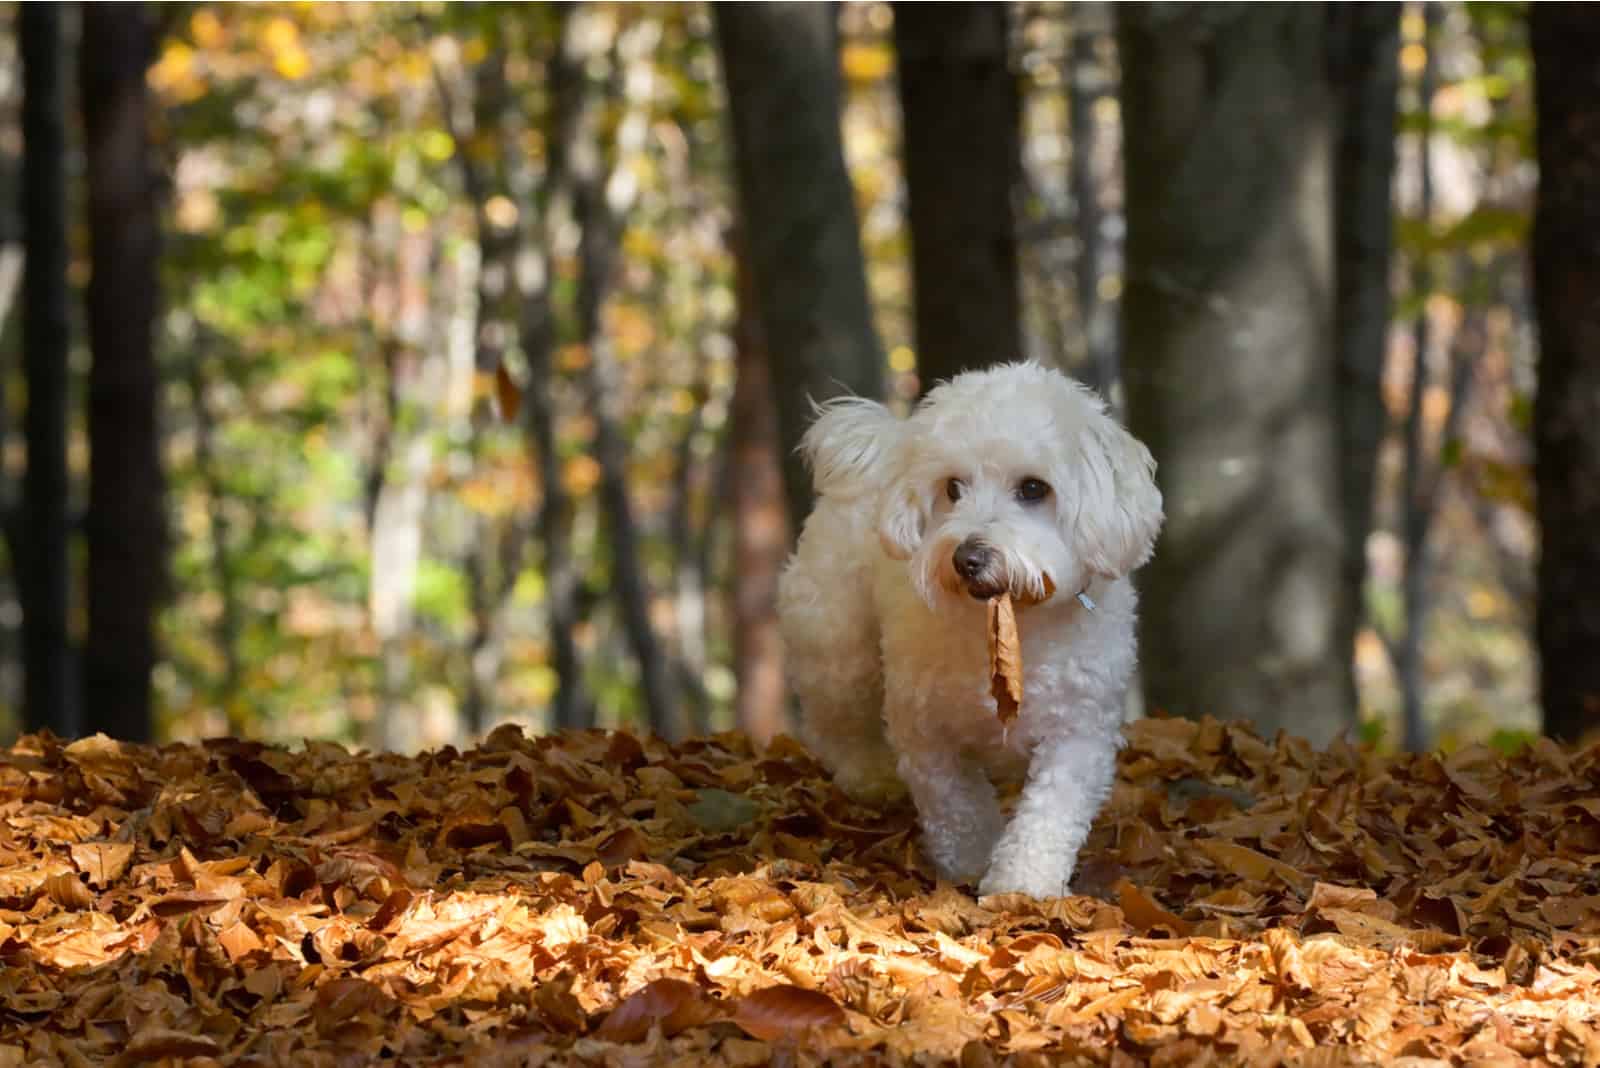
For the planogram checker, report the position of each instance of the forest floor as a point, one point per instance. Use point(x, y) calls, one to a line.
point(598, 899)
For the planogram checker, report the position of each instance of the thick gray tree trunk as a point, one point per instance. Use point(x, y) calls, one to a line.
point(43, 571)
point(798, 216)
point(1229, 360)
point(961, 112)
point(1566, 417)
point(1364, 44)
point(126, 523)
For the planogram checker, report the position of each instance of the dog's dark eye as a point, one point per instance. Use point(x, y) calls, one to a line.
point(1031, 489)
point(954, 489)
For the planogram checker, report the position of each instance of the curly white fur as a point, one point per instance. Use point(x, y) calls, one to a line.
point(886, 640)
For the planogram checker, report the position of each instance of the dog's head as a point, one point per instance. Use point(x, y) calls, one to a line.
point(1015, 478)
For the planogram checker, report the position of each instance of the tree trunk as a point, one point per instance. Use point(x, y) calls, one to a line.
point(125, 524)
point(1364, 49)
point(43, 533)
point(1566, 417)
point(570, 707)
point(1229, 361)
point(961, 112)
point(761, 535)
point(494, 550)
point(1085, 85)
point(597, 252)
point(1414, 518)
point(797, 214)
point(230, 623)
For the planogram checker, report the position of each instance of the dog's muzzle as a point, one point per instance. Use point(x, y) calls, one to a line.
point(975, 563)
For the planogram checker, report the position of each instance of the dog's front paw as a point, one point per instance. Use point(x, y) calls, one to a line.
point(1038, 881)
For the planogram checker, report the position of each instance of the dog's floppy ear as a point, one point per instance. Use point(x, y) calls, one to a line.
point(902, 518)
point(1118, 510)
point(846, 443)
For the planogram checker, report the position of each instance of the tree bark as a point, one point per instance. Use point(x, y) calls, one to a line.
point(1364, 51)
point(125, 524)
point(570, 706)
point(1229, 360)
point(1566, 417)
point(761, 534)
point(798, 215)
point(1085, 85)
point(963, 155)
point(43, 571)
point(1415, 519)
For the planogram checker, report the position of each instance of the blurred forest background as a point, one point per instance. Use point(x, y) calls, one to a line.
point(384, 372)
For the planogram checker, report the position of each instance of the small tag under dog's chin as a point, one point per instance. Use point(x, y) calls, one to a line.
point(1085, 600)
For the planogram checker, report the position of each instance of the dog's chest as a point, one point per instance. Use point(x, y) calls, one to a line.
point(937, 682)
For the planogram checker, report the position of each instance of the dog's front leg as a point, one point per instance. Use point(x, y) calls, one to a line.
point(956, 804)
point(1069, 778)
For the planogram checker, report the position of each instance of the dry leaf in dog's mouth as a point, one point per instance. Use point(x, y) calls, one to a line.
point(1005, 658)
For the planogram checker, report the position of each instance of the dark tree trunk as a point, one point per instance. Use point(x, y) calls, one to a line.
point(961, 114)
point(126, 536)
point(570, 707)
point(1566, 417)
point(1229, 361)
point(797, 214)
point(597, 247)
point(761, 536)
point(42, 571)
point(1364, 49)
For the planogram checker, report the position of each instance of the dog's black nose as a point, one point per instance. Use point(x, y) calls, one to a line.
point(970, 558)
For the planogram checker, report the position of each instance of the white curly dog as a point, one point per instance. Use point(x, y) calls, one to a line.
point(1001, 479)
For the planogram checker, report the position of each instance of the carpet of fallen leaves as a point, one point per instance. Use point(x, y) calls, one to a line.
point(594, 898)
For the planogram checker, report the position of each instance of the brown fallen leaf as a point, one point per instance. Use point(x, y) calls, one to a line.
point(159, 1043)
point(672, 1003)
point(102, 862)
point(66, 890)
point(345, 1003)
point(785, 1011)
point(1144, 912)
point(1005, 658)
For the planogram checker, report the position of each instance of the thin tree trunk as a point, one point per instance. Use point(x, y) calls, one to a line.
point(761, 532)
point(1364, 50)
point(1085, 85)
point(1414, 521)
point(797, 214)
point(1229, 367)
point(493, 554)
point(963, 155)
point(125, 525)
point(1566, 419)
point(597, 249)
point(42, 571)
point(689, 576)
point(229, 619)
point(570, 708)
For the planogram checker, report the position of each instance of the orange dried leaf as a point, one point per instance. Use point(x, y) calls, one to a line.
point(102, 862)
point(1143, 912)
point(67, 891)
point(785, 1011)
point(1005, 658)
